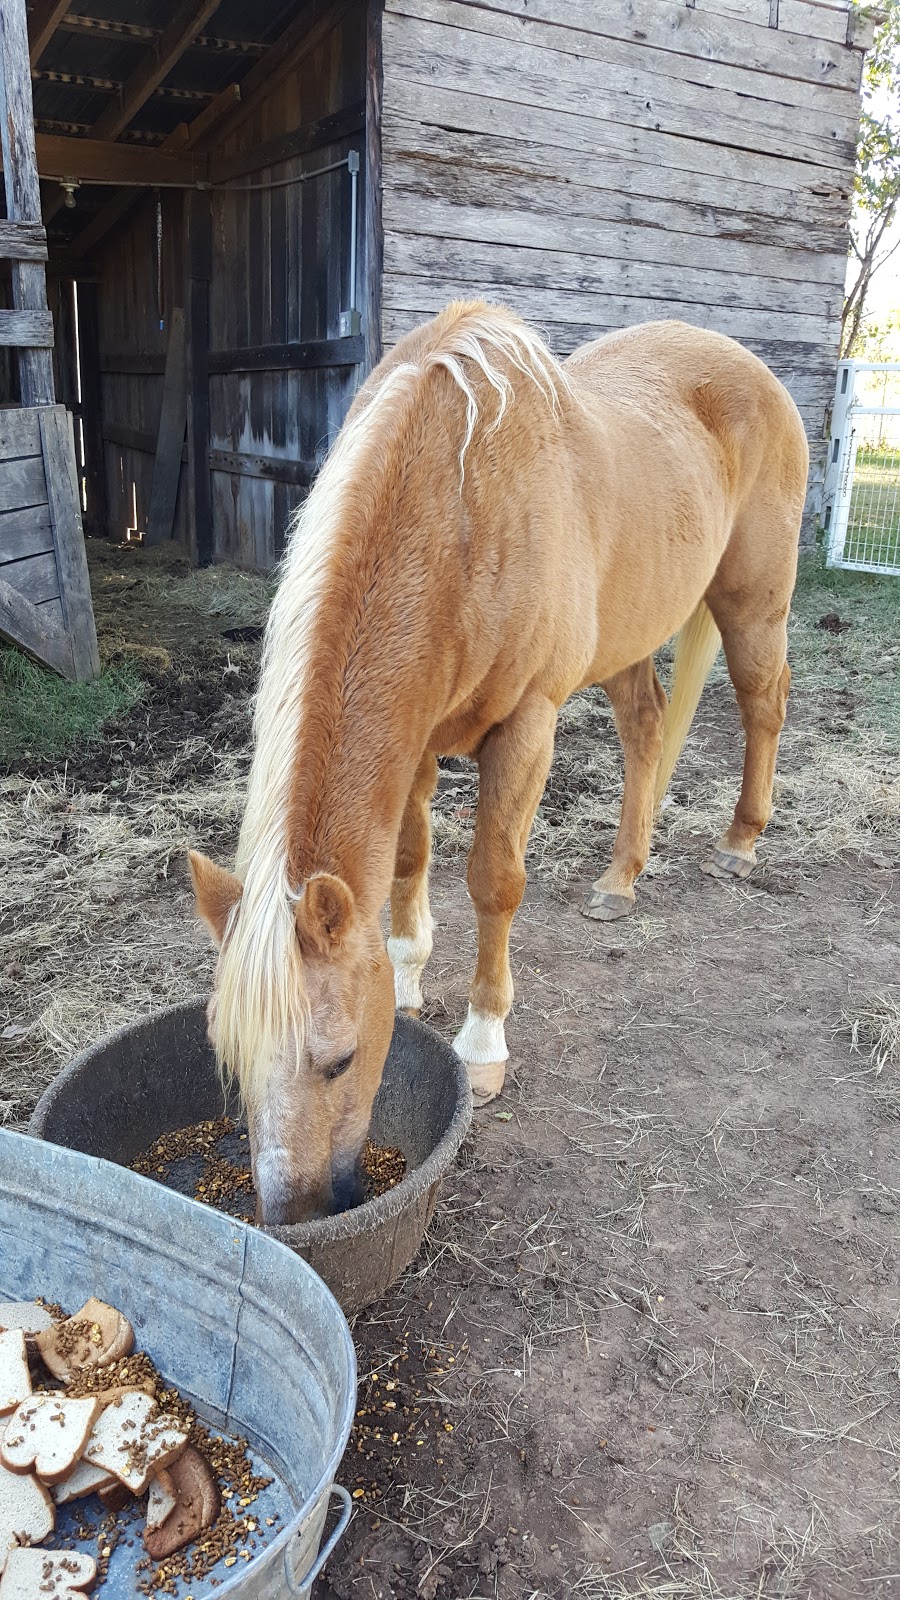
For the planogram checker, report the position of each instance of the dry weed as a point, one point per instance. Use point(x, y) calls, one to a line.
point(873, 1027)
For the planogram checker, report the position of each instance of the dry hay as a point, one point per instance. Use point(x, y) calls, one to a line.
point(83, 947)
point(873, 1028)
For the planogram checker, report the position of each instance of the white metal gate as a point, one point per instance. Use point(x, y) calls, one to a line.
point(861, 499)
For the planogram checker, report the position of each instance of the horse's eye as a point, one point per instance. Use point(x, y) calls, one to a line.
point(340, 1066)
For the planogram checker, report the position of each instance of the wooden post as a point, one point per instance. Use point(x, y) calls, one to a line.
point(97, 514)
point(199, 251)
point(58, 448)
point(23, 193)
point(170, 437)
point(373, 262)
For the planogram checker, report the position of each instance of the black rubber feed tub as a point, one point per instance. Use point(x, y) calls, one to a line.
point(114, 1099)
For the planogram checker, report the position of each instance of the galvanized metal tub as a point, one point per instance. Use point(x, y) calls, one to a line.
point(118, 1096)
point(240, 1325)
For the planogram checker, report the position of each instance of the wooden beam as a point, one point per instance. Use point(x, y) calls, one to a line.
point(147, 76)
point(310, 26)
point(311, 136)
point(170, 439)
point(156, 65)
point(181, 140)
point(209, 117)
point(65, 515)
point(22, 241)
point(198, 232)
point(45, 19)
point(133, 32)
point(102, 161)
point(23, 191)
point(26, 330)
point(276, 469)
point(290, 357)
point(125, 437)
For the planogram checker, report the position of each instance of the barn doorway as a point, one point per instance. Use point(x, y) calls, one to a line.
point(206, 191)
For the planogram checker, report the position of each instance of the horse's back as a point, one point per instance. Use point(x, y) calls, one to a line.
point(674, 368)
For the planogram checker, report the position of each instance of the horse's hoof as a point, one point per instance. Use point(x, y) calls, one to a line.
point(724, 864)
point(605, 906)
point(410, 1011)
point(486, 1079)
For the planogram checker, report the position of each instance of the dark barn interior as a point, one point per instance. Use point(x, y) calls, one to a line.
point(204, 187)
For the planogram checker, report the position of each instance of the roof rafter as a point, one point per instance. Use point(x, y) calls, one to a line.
point(138, 33)
point(44, 21)
point(156, 65)
point(309, 27)
point(158, 61)
point(180, 142)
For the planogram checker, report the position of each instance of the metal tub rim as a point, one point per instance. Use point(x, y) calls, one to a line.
point(110, 1175)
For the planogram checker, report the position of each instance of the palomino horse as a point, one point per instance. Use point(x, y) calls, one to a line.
point(491, 531)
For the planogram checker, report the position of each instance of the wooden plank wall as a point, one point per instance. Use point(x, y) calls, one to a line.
point(280, 276)
point(45, 596)
point(132, 358)
point(27, 550)
point(600, 165)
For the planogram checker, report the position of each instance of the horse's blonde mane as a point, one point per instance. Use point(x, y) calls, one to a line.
point(261, 994)
point(480, 334)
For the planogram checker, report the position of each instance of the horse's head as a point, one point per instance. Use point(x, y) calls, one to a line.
point(309, 1069)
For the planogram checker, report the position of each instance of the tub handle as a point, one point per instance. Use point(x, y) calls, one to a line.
point(302, 1585)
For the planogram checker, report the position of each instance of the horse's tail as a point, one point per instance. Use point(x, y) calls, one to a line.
point(696, 648)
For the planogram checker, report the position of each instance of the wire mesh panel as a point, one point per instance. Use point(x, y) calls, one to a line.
point(862, 490)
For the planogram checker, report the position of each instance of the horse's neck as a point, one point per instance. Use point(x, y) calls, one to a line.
point(356, 760)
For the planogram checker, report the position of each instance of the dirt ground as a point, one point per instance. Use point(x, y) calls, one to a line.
point(652, 1346)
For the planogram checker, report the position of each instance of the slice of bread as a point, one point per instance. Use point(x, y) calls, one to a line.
point(95, 1336)
point(48, 1575)
point(84, 1479)
point(15, 1378)
point(48, 1434)
point(197, 1505)
point(133, 1440)
point(162, 1500)
point(27, 1513)
point(27, 1315)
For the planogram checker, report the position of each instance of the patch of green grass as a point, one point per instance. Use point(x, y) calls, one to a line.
point(862, 658)
point(873, 529)
point(43, 715)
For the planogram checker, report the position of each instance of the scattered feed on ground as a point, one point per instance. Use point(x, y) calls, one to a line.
point(654, 1336)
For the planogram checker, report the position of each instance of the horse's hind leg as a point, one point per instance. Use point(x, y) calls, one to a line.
point(752, 619)
point(513, 763)
point(411, 938)
point(639, 706)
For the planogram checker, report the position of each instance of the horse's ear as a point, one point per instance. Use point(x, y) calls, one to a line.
point(215, 892)
point(324, 913)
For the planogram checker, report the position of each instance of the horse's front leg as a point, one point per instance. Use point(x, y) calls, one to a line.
point(410, 943)
point(513, 763)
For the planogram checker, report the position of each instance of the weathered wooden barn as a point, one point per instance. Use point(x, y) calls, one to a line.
point(245, 203)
